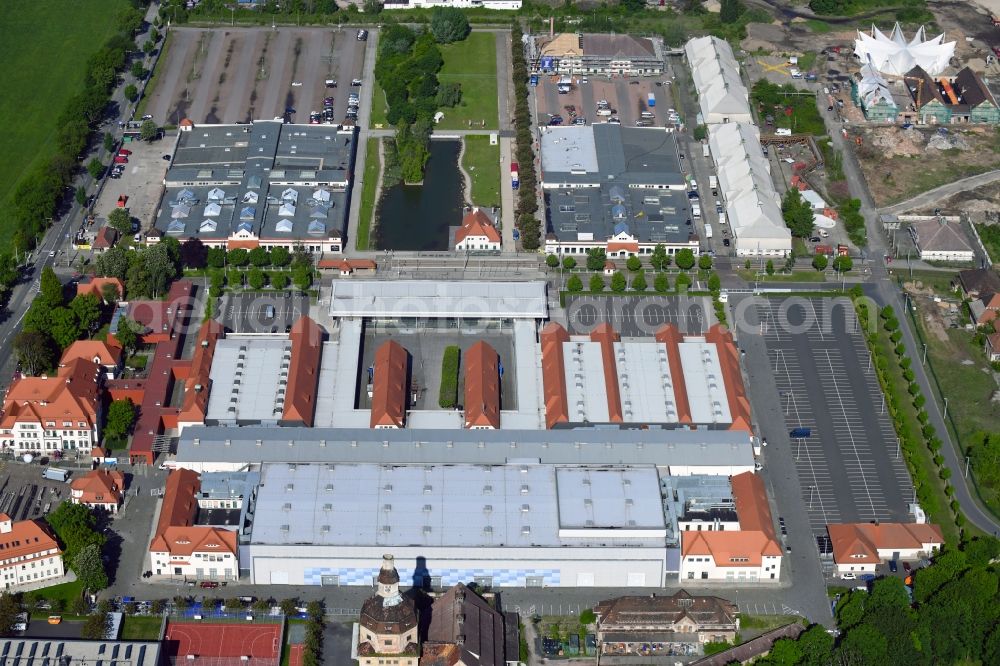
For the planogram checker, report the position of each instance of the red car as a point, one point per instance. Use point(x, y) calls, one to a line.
point(121, 159)
point(210, 584)
point(124, 152)
point(996, 51)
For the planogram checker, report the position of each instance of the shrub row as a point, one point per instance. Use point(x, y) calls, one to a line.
point(448, 397)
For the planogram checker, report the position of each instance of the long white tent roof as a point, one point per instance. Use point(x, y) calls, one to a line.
point(716, 74)
point(892, 54)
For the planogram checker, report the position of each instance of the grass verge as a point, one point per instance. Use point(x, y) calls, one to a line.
point(767, 622)
point(66, 592)
point(141, 627)
point(990, 235)
point(448, 397)
point(154, 80)
point(366, 210)
point(472, 63)
point(818, 27)
point(482, 162)
point(798, 276)
point(377, 117)
point(44, 50)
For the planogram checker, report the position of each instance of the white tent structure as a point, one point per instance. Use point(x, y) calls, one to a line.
point(895, 56)
point(722, 96)
point(872, 88)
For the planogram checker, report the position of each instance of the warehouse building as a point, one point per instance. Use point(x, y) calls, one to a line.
point(722, 97)
point(498, 525)
point(615, 188)
point(264, 184)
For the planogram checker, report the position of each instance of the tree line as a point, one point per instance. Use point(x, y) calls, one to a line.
point(527, 201)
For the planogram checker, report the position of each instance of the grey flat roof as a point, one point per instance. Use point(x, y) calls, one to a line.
point(30, 651)
point(280, 181)
point(650, 216)
point(249, 377)
point(437, 299)
point(608, 152)
point(586, 446)
point(455, 505)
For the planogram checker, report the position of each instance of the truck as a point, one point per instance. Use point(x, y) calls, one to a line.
point(651, 100)
point(708, 230)
point(704, 150)
point(713, 184)
point(515, 179)
point(55, 474)
point(565, 85)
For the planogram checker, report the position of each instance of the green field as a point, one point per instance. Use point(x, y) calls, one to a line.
point(482, 162)
point(367, 208)
point(473, 63)
point(141, 628)
point(44, 52)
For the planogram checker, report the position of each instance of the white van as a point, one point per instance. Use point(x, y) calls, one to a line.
point(783, 131)
point(695, 211)
point(647, 115)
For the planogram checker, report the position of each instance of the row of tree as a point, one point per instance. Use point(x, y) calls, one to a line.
point(147, 272)
point(527, 198)
point(36, 198)
point(76, 527)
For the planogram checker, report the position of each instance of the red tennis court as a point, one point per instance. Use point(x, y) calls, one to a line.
point(256, 641)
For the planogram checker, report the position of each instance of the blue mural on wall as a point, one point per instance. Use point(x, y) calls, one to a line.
point(420, 575)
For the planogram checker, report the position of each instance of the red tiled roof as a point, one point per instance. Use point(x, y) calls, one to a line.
point(106, 237)
point(303, 374)
point(390, 385)
point(859, 543)
point(92, 350)
point(95, 286)
point(242, 244)
point(670, 336)
point(553, 374)
point(752, 507)
point(628, 246)
point(729, 360)
point(74, 395)
point(198, 383)
point(477, 223)
point(482, 386)
point(27, 539)
point(179, 504)
point(184, 540)
point(99, 486)
point(606, 336)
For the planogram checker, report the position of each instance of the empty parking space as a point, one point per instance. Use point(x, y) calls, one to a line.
point(639, 316)
point(849, 465)
point(239, 74)
point(262, 313)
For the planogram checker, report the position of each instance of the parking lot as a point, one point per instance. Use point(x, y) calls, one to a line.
point(627, 96)
point(141, 181)
point(849, 466)
point(642, 316)
point(24, 494)
point(262, 313)
point(239, 74)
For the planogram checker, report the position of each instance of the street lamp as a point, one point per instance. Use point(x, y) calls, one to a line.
point(966, 466)
point(945, 415)
point(925, 354)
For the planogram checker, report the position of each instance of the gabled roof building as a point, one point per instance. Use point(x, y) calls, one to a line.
point(99, 489)
point(861, 547)
point(29, 553)
point(477, 232)
point(590, 53)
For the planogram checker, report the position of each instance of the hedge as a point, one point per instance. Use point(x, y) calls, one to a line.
point(448, 397)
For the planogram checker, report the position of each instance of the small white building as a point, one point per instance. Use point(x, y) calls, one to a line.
point(477, 233)
point(29, 553)
point(938, 239)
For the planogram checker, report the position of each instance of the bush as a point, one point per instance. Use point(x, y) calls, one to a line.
point(574, 284)
point(661, 283)
point(569, 263)
point(634, 264)
point(639, 282)
point(552, 261)
point(618, 283)
point(279, 280)
point(596, 283)
point(448, 397)
point(820, 262)
point(704, 262)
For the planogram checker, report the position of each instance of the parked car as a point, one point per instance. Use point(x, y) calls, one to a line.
point(124, 152)
point(356, 83)
point(579, 120)
point(121, 159)
point(906, 567)
point(166, 158)
point(209, 584)
point(893, 566)
point(848, 575)
point(330, 83)
point(725, 241)
point(147, 117)
point(814, 239)
point(362, 35)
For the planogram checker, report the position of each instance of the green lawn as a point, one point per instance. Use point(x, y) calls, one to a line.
point(473, 63)
point(140, 108)
point(44, 52)
point(377, 119)
point(482, 162)
point(66, 591)
point(367, 208)
point(797, 276)
point(141, 628)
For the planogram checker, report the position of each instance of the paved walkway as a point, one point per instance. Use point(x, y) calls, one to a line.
point(364, 118)
point(942, 192)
